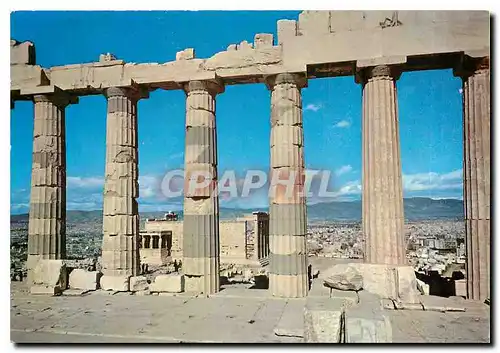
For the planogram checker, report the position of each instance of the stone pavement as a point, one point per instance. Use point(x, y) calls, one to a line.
point(236, 314)
point(471, 326)
point(125, 318)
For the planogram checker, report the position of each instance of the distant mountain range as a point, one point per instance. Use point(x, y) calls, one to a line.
point(416, 208)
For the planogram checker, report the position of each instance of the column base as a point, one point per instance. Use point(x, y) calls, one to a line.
point(201, 284)
point(30, 266)
point(285, 286)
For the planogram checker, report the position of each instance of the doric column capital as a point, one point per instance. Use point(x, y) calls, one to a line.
point(367, 73)
point(292, 78)
point(213, 87)
point(59, 99)
point(468, 66)
point(132, 92)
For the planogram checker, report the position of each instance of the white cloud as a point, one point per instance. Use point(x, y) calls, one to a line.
point(460, 90)
point(343, 170)
point(431, 184)
point(313, 107)
point(84, 182)
point(433, 181)
point(342, 124)
point(86, 193)
point(149, 186)
point(350, 188)
point(454, 175)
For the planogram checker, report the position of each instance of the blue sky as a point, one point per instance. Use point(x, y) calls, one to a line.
point(429, 106)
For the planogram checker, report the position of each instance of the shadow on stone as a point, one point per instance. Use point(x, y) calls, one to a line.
point(223, 280)
point(439, 285)
point(261, 282)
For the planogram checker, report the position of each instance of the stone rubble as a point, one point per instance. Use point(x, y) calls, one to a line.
point(138, 283)
point(115, 283)
point(343, 277)
point(49, 277)
point(168, 283)
point(82, 279)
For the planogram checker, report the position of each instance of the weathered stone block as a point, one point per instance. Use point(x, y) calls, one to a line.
point(407, 285)
point(287, 29)
point(22, 53)
point(344, 277)
point(350, 298)
point(323, 320)
point(116, 283)
point(138, 283)
point(389, 281)
point(82, 279)
point(263, 40)
point(379, 279)
point(50, 273)
point(186, 54)
point(244, 45)
point(107, 57)
point(314, 22)
point(168, 283)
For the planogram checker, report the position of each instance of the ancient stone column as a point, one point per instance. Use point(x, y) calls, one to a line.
point(47, 215)
point(120, 248)
point(201, 203)
point(382, 199)
point(288, 222)
point(477, 190)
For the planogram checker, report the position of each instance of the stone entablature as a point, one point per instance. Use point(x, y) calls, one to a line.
point(317, 39)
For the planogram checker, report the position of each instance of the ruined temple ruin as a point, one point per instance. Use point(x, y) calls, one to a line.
point(375, 47)
point(244, 241)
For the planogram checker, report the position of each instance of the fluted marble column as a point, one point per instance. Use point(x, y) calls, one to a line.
point(47, 216)
point(120, 248)
point(477, 190)
point(288, 221)
point(382, 200)
point(201, 205)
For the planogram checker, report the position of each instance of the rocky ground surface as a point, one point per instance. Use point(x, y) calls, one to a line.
point(236, 314)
